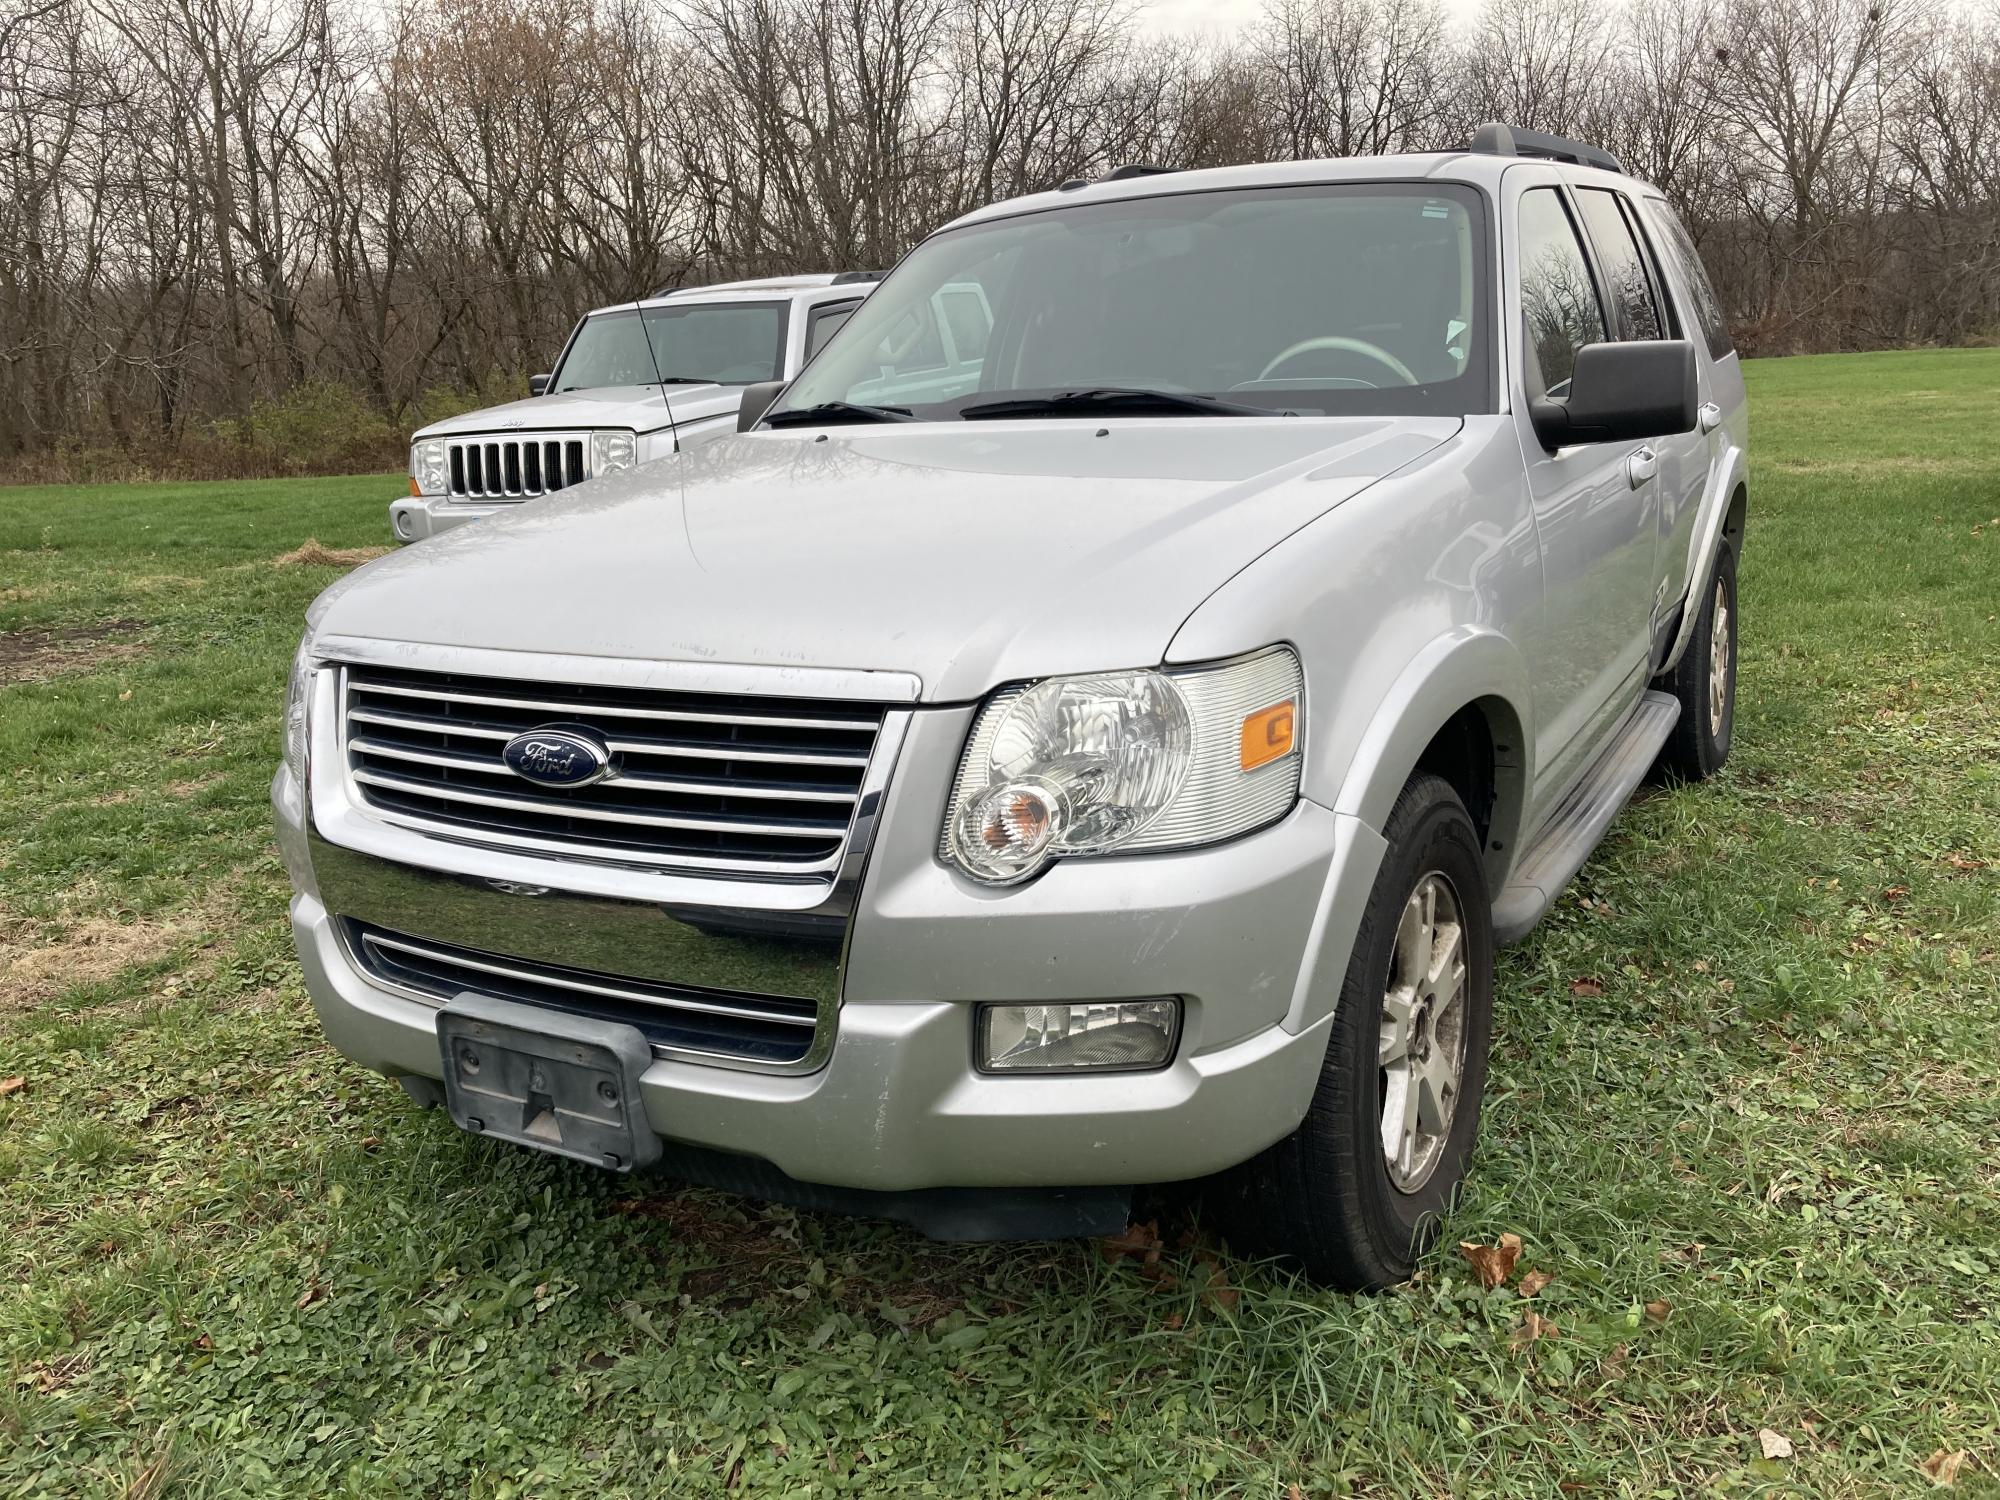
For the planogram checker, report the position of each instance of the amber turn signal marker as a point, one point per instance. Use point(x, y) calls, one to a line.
point(415, 489)
point(1268, 734)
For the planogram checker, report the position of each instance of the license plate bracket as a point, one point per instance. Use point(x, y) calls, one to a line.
point(568, 1085)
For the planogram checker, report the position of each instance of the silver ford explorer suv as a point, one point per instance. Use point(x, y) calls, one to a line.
point(634, 382)
point(980, 788)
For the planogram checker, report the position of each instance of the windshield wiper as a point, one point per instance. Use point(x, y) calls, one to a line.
point(838, 411)
point(1111, 398)
point(686, 380)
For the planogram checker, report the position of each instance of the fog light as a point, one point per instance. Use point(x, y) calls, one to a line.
point(1121, 1036)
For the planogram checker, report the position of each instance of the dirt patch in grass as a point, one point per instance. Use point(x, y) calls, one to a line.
point(38, 655)
point(316, 554)
point(93, 950)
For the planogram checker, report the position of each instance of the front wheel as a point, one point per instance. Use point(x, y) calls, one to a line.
point(1356, 1192)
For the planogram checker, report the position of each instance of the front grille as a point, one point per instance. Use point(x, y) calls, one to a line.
point(704, 782)
point(514, 468)
point(757, 1029)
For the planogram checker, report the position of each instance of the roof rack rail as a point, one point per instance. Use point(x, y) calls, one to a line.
point(1496, 139)
point(850, 278)
point(1136, 169)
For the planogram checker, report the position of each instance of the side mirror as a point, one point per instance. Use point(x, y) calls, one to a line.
point(1621, 393)
point(757, 399)
point(537, 384)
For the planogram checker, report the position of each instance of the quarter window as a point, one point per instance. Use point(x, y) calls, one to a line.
point(1624, 265)
point(1680, 247)
point(1558, 297)
point(826, 322)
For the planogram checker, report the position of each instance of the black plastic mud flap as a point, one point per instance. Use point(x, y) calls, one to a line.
point(563, 1084)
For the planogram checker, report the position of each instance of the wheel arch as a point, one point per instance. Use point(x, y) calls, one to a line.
point(1459, 711)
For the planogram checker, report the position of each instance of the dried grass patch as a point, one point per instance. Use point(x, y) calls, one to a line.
point(90, 951)
point(38, 655)
point(316, 554)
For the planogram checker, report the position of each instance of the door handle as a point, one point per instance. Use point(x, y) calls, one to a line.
point(1711, 416)
point(1642, 466)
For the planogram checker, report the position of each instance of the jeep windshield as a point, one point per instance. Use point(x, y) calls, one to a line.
point(1287, 301)
point(695, 343)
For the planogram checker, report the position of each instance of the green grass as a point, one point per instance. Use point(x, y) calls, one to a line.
point(1750, 1069)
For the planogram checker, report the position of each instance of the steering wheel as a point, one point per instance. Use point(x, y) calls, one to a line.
point(1362, 347)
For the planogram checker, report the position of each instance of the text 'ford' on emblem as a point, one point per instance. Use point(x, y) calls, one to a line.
point(558, 755)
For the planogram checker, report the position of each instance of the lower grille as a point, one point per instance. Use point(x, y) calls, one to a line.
point(756, 1029)
point(515, 468)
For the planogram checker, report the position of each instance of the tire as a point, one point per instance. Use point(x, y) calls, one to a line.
point(1704, 682)
point(1324, 1197)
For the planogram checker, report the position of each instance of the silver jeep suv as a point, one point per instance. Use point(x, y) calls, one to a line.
point(1108, 756)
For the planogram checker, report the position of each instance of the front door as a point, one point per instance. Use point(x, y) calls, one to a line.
point(1597, 509)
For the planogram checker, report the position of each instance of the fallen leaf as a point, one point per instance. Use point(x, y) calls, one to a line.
point(12, 1086)
point(1775, 1444)
point(1140, 1242)
point(1534, 1281)
point(1493, 1263)
point(1173, 1322)
point(126, 696)
point(204, 1342)
point(370, 1142)
point(1943, 1466)
point(315, 1292)
point(1588, 987)
point(1896, 892)
point(1533, 1326)
point(1659, 1311)
point(1293, 1492)
point(1960, 862)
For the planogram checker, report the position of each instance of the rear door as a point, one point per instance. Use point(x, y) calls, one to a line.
point(1640, 310)
point(1724, 416)
point(1596, 505)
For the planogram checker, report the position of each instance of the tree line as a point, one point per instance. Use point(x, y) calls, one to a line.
point(211, 206)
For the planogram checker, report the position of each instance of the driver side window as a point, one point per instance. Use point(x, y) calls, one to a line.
point(1559, 300)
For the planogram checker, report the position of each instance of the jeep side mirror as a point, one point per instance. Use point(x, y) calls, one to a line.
point(757, 399)
point(537, 384)
point(1620, 393)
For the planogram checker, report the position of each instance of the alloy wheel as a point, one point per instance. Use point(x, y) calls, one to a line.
point(1422, 1051)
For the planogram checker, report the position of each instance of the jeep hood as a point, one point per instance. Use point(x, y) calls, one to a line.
point(640, 407)
point(967, 554)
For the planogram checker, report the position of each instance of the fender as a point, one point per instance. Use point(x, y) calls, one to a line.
point(1468, 664)
point(1708, 542)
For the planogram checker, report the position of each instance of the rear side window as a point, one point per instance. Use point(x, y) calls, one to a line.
point(1679, 246)
point(1627, 280)
point(1558, 298)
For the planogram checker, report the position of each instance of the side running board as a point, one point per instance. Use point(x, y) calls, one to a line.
point(1568, 834)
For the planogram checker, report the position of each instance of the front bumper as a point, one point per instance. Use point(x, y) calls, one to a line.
point(1252, 936)
point(423, 516)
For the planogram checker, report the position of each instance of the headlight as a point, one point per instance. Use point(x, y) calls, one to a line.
point(298, 703)
point(429, 466)
point(1125, 762)
point(612, 451)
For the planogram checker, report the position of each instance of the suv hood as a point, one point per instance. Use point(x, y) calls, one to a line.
point(640, 407)
point(969, 554)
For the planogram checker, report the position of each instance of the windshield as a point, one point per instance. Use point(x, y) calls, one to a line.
point(1311, 300)
point(730, 343)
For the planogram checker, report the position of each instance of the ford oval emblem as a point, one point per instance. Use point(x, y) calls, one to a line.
point(558, 755)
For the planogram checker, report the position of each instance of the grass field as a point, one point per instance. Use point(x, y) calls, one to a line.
point(1745, 1108)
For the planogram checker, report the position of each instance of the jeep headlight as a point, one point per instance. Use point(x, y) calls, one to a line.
point(611, 451)
point(429, 466)
point(1125, 762)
